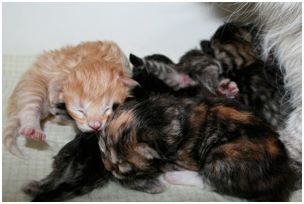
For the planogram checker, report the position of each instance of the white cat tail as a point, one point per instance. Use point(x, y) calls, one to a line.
point(10, 134)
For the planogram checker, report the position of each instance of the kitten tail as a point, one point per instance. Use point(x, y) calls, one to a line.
point(10, 136)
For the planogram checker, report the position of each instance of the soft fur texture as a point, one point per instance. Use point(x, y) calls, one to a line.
point(280, 24)
point(89, 78)
point(76, 170)
point(228, 145)
point(229, 65)
point(282, 29)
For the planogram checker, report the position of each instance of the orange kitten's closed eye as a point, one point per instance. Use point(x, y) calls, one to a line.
point(94, 87)
point(89, 78)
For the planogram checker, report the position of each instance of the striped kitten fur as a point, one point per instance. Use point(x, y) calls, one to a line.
point(237, 47)
point(156, 133)
point(85, 80)
point(232, 150)
point(228, 65)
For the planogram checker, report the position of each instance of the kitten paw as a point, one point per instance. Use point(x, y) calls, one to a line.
point(155, 187)
point(188, 178)
point(227, 88)
point(32, 133)
point(32, 188)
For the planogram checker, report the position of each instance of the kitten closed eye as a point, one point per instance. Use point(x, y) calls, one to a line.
point(68, 75)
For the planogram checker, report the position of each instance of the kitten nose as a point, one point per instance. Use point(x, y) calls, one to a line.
point(95, 125)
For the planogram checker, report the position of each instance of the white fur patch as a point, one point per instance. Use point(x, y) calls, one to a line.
point(187, 178)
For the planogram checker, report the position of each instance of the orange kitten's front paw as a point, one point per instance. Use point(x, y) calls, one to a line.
point(32, 133)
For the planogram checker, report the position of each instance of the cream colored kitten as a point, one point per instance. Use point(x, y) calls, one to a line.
point(89, 78)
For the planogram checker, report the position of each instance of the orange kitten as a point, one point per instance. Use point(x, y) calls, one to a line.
point(89, 78)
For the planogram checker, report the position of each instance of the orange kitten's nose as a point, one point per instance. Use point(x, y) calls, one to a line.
point(95, 125)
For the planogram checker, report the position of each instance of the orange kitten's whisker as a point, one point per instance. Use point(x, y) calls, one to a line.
point(70, 84)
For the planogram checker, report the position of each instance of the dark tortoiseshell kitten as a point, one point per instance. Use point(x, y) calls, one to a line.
point(233, 150)
point(228, 65)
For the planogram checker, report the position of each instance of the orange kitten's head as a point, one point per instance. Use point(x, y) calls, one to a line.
point(93, 89)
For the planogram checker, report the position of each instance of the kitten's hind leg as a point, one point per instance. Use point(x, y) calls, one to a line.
point(50, 182)
point(61, 191)
point(150, 185)
point(188, 178)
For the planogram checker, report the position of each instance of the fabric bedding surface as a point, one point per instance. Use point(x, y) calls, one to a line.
point(37, 164)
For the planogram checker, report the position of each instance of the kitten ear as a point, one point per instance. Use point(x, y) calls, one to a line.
point(206, 47)
point(129, 82)
point(136, 61)
point(147, 151)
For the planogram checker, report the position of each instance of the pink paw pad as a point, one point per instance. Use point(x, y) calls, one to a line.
point(227, 88)
point(32, 133)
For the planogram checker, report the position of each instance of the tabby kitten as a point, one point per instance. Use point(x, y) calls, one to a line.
point(237, 47)
point(152, 82)
point(87, 78)
point(228, 65)
point(233, 150)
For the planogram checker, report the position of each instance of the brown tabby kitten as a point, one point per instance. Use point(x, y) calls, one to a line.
point(233, 150)
point(228, 65)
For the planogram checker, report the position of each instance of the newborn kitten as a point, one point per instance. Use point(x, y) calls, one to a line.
point(228, 65)
point(87, 78)
point(233, 150)
point(237, 47)
point(152, 82)
point(229, 147)
point(77, 169)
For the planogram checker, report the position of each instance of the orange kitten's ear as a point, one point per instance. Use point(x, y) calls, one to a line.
point(129, 82)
